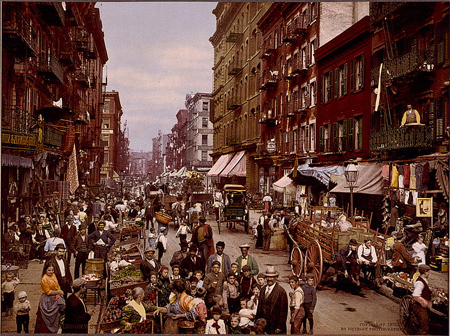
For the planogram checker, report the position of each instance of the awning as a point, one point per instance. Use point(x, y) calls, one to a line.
point(370, 180)
point(173, 174)
point(220, 164)
point(237, 166)
point(182, 172)
point(16, 161)
point(285, 184)
point(320, 173)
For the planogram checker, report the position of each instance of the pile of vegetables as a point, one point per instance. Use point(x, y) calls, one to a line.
point(144, 327)
point(114, 310)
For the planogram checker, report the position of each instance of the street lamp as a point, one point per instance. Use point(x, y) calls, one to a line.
point(351, 175)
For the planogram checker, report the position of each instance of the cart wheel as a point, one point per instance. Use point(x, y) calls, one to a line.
point(409, 323)
point(314, 261)
point(297, 261)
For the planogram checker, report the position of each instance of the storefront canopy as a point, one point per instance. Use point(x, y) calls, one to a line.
point(320, 173)
point(285, 184)
point(16, 161)
point(237, 166)
point(370, 180)
point(220, 165)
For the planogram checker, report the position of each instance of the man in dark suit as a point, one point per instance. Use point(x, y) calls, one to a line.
point(149, 265)
point(62, 270)
point(273, 304)
point(347, 261)
point(82, 247)
point(68, 233)
point(192, 262)
point(93, 226)
point(77, 317)
point(102, 240)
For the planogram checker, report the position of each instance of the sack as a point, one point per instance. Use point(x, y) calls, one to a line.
point(91, 255)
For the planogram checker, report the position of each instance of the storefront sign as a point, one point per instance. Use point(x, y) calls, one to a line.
point(52, 136)
point(18, 140)
point(271, 146)
point(424, 207)
point(107, 131)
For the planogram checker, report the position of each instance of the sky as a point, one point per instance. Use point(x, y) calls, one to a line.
point(157, 53)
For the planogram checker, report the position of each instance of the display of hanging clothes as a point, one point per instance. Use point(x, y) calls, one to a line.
point(426, 175)
point(419, 176)
point(385, 173)
point(412, 177)
point(394, 176)
point(406, 174)
point(415, 195)
point(401, 189)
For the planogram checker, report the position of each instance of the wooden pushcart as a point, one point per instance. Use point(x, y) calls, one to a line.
point(315, 244)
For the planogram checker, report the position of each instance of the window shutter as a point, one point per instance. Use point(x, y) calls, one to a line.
point(335, 137)
point(307, 57)
point(439, 118)
point(336, 82)
point(345, 78)
point(344, 135)
point(308, 96)
point(322, 89)
point(351, 141)
point(360, 133)
point(362, 71)
point(352, 76)
point(321, 146)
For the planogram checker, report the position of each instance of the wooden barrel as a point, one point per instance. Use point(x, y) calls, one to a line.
point(94, 266)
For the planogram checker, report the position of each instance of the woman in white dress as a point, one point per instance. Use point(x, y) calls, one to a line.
point(419, 249)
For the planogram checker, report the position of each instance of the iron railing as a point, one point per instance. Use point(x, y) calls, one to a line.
point(49, 66)
point(17, 120)
point(233, 103)
point(14, 23)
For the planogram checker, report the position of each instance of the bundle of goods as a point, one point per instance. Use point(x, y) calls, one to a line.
point(163, 217)
point(131, 230)
point(127, 278)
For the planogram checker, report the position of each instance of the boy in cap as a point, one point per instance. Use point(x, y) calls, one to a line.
point(422, 296)
point(246, 259)
point(309, 302)
point(246, 282)
point(22, 309)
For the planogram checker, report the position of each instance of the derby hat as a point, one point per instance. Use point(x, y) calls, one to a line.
point(270, 272)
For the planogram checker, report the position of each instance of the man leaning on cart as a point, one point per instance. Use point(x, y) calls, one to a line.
point(422, 296)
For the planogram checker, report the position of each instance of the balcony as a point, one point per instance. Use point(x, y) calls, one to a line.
point(268, 48)
point(235, 68)
point(381, 10)
point(297, 27)
point(267, 116)
point(17, 30)
point(269, 79)
point(419, 61)
point(233, 103)
point(17, 120)
point(81, 39)
point(407, 137)
point(52, 13)
point(233, 37)
point(52, 136)
point(49, 67)
point(82, 78)
point(66, 58)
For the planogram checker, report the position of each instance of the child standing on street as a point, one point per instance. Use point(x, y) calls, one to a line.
point(152, 239)
point(8, 288)
point(216, 325)
point(22, 309)
point(309, 303)
point(182, 232)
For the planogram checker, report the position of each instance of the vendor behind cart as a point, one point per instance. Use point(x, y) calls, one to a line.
point(136, 310)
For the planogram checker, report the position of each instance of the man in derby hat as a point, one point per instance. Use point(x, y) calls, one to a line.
point(224, 259)
point(149, 264)
point(401, 259)
point(347, 261)
point(246, 259)
point(273, 303)
point(422, 296)
point(179, 255)
point(192, 262)
point(202, 236)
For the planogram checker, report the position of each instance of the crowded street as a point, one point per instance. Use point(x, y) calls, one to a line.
point(259, 168)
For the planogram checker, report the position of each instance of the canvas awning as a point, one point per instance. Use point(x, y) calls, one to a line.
point(370, 180)
point(9, 160)
point(322, 174)
point(237, 166)
point(285, 184)
point(181, 172)
point(220, 164)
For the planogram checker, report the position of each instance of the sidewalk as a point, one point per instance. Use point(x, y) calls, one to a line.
point(30, 282)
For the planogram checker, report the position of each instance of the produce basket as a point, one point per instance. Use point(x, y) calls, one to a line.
point(121, 290)
point(163, 217)
point(92, 280)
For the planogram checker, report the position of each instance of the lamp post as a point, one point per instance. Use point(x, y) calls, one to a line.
point(351, 175)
